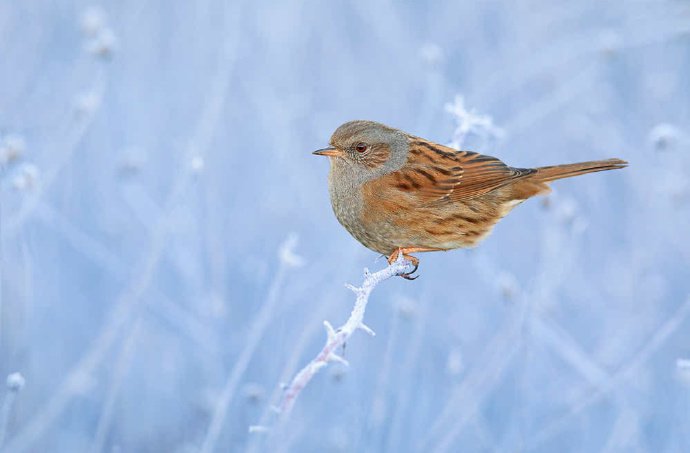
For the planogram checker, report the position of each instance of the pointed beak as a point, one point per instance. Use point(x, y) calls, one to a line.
point(330, 151)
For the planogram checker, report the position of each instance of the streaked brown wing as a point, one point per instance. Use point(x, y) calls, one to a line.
point(437, 173)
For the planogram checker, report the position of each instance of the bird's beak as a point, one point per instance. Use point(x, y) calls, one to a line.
point(330, 151)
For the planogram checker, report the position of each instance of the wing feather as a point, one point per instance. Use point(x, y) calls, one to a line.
point(435, 173)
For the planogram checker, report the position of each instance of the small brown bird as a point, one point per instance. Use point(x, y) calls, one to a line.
point(397, 193)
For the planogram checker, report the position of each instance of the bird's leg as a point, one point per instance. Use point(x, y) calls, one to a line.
point(406, 254)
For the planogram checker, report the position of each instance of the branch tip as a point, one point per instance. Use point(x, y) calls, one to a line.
point(367, 329)
point(352, 288)
point(330, 331)
point(333, 357)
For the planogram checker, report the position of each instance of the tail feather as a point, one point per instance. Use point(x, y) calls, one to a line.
point(537, 182)
point(552, 173)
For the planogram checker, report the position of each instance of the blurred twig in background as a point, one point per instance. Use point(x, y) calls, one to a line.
point(288, 259)
point(15, 383)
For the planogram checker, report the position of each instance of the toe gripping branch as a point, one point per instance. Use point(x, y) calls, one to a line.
point(400, 255)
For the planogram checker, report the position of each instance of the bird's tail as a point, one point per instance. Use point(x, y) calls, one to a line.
point(536, 182)
point(552, 173)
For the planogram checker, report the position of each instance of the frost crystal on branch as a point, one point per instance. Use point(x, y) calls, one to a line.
point(664, 136)
point(335, 338)
point(101, 39)
point(469, 122)
point(15, 382)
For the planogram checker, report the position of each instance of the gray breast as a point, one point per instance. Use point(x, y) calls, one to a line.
point(347, 202)
point(346, 199)
point(345, 182)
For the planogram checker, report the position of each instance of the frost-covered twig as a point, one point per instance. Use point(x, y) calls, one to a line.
point(337, 337)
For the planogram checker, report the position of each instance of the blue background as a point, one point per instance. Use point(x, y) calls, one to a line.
point(156, 157)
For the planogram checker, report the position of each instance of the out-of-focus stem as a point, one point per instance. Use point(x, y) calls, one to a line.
point(15, 382)
point(260, 324)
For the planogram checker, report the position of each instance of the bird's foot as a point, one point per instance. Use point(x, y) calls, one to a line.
point(414, 261)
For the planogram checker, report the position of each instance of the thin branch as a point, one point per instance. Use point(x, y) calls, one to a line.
point(335, 338)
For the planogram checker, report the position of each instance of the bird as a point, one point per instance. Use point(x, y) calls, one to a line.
point(397, 193)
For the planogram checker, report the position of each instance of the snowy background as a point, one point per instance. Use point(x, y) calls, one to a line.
point(168, 250)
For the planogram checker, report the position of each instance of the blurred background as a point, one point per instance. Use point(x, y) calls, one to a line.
point(169, 253)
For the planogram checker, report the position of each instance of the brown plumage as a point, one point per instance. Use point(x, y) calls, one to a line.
point(397, 193)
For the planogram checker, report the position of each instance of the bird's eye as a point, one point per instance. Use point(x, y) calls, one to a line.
point(361, 147)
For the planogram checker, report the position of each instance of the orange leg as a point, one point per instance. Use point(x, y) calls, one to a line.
point(406, 254)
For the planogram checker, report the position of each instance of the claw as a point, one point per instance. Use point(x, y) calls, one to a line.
point(415, 263)
point(404, 254)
